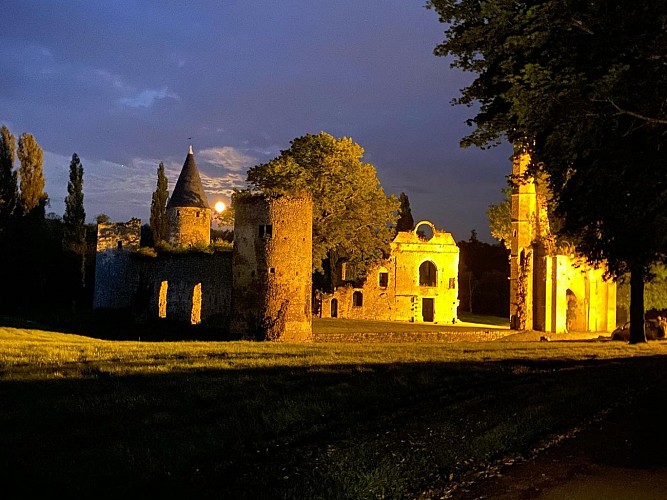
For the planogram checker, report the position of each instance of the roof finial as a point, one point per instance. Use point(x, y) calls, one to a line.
point(190, 152)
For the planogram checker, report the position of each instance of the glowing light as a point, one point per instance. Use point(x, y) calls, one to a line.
point(219, 206)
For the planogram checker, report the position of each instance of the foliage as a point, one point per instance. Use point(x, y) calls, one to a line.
point(31, 174)
point(159, 222)
point(500, 219)
point(405, 221)
point(655, 296)
point(352, 217)
point(297, 420)
point(8, 176)
point(483, 277)
point(74, 218)
point(147, 252)
point(102, 218)
point(581, 86)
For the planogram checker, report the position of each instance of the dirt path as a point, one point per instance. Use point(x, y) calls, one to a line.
point(624, 456)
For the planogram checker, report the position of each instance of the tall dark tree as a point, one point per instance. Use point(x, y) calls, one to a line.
point(405, 222)
point(74, 218)
point(32, 198)
point(582, 87)
point(8, 176)
point(159, 222)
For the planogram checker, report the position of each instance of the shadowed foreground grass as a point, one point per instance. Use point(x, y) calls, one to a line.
point(259, 420)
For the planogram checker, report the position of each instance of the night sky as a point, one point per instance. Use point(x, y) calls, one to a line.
point(126, 84)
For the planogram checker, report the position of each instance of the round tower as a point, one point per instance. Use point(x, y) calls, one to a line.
point(188, 212)
point(272, 267)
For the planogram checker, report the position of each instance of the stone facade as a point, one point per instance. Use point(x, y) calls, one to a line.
point(189, 226)
point(552, 288)
point(272, 267)
point(418, 283)
point(189, 288)
point(114, 280)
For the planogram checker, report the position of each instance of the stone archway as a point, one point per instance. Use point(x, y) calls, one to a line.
point(334, 308)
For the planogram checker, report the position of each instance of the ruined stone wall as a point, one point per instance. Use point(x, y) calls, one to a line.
point(403, 296)
point(189, 226)
point(377, 302)
point(116, 280)
point(411, 251)
point(200, 279)
point(562, 291)
point(272, 268)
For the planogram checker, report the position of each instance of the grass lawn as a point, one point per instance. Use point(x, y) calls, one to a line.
point(82, 416)
point(466, 322)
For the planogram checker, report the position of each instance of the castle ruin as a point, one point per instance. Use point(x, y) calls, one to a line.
point(552, 288)
point(417, 283)
point(261, 289)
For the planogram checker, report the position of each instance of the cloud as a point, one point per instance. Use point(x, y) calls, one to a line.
point(227, 157)
point(146, 98)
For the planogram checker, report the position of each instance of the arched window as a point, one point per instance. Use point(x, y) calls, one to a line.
point(428, 274)
point(357, 299)
point(334, 308)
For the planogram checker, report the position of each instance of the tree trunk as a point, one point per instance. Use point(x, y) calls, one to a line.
point(637, 333)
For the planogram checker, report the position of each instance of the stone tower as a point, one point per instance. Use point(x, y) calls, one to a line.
point(523, 214)
point(272, 267)
point(188, 212)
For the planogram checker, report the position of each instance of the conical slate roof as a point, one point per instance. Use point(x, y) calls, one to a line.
point(189, 191)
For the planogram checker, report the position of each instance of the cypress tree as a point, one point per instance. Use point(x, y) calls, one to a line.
point(159, 223)
point(8, 176)
point(74, 218)
point(31, 175)
point(405, 221)
point(75, 215)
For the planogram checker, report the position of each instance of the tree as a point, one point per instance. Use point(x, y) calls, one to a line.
point(8, 179)
point(581, 87)
point(159, 222)
point(352, 217)
point(405, 221)
point(102, 218)
point(74, 218)
point(32, 197)
point(500, 219)
point(483, 277)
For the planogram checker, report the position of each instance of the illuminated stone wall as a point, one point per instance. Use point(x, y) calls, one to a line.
point(405, 298)
point(192, 279)
point(272, 268)
point(561, 291)
point(115, 279)
point(189, 226)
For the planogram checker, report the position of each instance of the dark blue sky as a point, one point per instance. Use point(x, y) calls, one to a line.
point(125, 84)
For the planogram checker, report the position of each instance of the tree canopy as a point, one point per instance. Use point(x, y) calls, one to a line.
point(500, 219)
point(352, 216)
point(31, 174)
point(582, 86)
point(8, 176)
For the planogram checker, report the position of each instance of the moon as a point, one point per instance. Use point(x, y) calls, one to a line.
point(219, 206)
